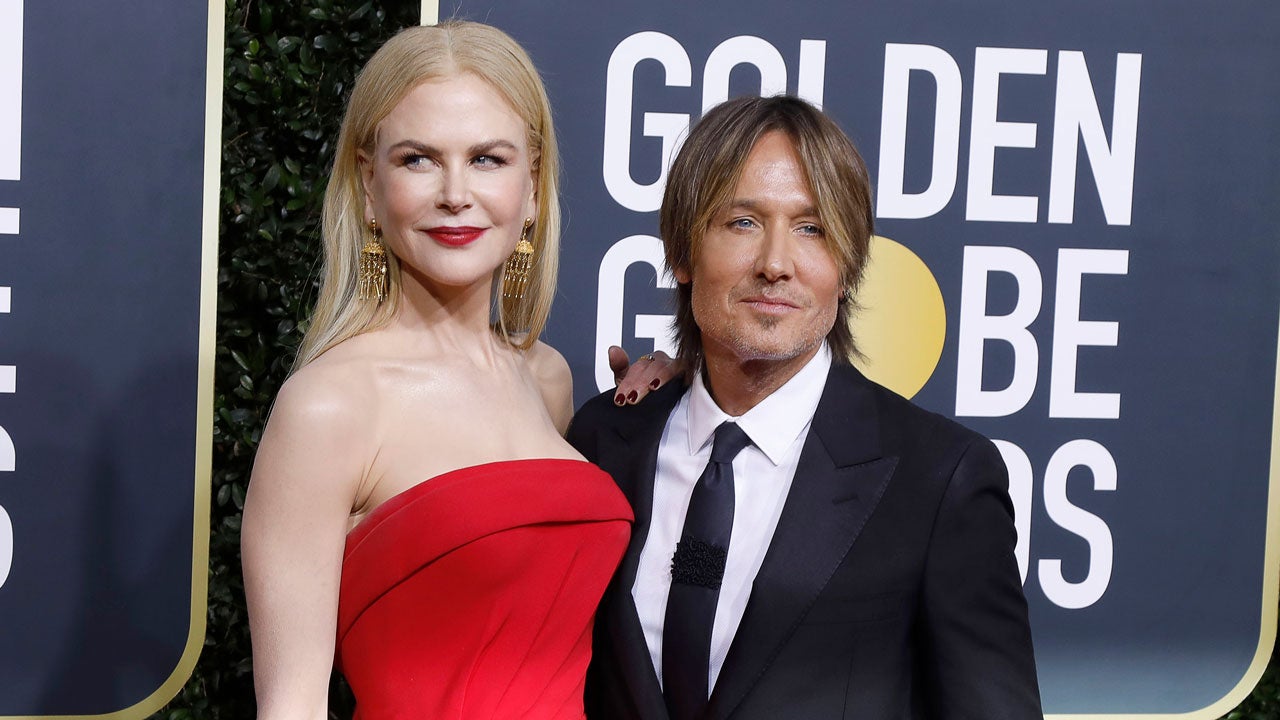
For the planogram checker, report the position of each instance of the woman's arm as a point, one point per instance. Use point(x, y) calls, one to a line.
point(305, 476)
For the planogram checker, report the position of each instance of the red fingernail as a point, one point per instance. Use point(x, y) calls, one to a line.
point(655, 383)
point(617, 399)
point(633, 396)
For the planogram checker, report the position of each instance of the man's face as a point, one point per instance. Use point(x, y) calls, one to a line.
point(764, 286)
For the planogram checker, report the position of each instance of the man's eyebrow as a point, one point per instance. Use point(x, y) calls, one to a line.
point(757, 206)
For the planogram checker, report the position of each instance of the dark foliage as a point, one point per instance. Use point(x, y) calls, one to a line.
point(289, 67)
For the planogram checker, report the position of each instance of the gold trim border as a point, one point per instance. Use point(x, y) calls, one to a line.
point(430, 14)
point(1270, 595)
point(204, 390)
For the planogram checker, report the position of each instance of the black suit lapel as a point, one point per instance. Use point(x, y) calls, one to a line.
point(838, 483)
point(632, 448)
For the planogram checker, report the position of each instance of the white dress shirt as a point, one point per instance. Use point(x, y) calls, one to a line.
point(762, 474)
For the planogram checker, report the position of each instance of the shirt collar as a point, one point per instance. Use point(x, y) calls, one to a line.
point(776, 422)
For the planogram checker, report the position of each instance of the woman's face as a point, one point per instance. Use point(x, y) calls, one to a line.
point(450, 181)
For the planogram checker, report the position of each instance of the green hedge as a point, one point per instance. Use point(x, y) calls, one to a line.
point(289, 66)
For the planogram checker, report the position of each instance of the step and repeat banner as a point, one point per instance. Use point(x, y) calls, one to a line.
point(109, 129)
point(1077, 255)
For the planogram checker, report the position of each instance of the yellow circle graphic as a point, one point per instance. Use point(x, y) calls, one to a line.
point(901, 322)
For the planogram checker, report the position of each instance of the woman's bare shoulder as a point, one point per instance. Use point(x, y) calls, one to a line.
point(555, 382)
point(547, 364)
point(333, 391)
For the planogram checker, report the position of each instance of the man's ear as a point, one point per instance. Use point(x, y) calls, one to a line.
point(681, 275)
point(365, 165)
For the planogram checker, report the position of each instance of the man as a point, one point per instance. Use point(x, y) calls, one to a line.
point(807, 544)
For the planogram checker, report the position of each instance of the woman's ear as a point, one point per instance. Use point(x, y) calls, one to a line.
point(365, 165)
point(531, 207)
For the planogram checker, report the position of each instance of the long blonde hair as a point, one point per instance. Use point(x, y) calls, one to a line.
point(413, 56)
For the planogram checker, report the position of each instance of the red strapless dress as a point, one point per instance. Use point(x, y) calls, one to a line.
point(471, 595)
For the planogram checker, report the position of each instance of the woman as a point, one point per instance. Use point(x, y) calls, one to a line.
point(412, 488)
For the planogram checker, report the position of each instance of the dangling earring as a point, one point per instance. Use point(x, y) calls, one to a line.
point(515, 273)
point(373, 266)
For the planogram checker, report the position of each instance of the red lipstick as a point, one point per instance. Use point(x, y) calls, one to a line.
point(455, 236)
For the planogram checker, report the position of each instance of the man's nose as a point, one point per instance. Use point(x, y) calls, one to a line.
point(777, 254)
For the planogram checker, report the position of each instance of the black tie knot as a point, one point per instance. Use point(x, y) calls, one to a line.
point(729, 441)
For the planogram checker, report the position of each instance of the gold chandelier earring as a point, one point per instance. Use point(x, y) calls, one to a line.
point(373, 266)
point(515, 273)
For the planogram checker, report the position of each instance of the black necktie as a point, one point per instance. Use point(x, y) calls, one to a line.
point(696, 571)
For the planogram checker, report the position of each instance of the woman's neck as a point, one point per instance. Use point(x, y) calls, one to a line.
point(446, 317)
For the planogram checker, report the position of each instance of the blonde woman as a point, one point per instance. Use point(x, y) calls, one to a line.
point(412, 488)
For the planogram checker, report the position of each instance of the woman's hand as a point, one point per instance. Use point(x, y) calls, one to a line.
point(639, 378)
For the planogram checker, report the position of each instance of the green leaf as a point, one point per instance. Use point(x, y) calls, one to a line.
point(271, 179)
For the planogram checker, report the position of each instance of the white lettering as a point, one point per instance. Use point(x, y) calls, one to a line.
point(1095, 457)
point(6, 544)
point(1076, 114)
point(619, 86)
point(742, 50)
point(10, 169)
point(8, 454)
point(1070, 332)
point(811, 79)
point(1021, 479)
point(671, 127)
point(8, 373)
point(899, 61)
point(976, 327)
point(10, 104)
point(987, 133)
point(609, 303)
point(11, 92)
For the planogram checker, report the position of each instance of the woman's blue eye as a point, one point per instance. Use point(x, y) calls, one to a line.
point(490, 161)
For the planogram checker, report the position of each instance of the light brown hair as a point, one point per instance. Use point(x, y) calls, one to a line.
point(706, 171)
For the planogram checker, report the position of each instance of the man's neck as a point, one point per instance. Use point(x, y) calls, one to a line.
point(739, 385)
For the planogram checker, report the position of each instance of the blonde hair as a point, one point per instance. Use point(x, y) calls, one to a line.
point(414, 56)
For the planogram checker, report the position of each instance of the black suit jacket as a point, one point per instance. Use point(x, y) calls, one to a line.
point(889, 590)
